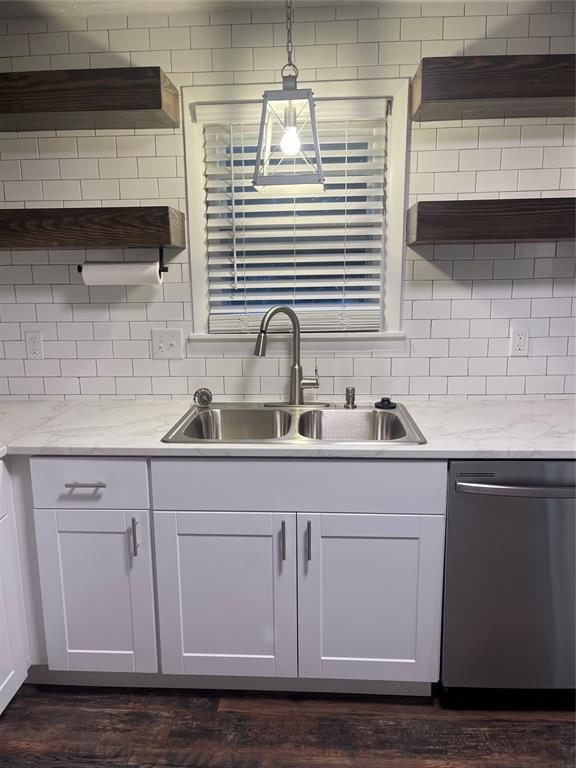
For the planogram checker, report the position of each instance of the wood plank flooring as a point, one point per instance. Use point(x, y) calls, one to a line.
point(66, 727)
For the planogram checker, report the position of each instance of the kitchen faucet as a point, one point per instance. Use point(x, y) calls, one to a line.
point(298, 382)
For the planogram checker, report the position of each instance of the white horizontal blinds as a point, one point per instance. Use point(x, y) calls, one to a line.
point(321, 255)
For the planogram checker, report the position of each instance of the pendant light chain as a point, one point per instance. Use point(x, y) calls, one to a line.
point(289, 43)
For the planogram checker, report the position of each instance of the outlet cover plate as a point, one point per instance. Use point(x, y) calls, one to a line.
point(519, 337)
point(167, 344)
point(34, 345)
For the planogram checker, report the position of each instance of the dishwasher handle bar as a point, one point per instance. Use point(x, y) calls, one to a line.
point(525, 491)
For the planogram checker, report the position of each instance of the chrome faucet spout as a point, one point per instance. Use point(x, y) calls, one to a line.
point(260, 349)
point(297, 381)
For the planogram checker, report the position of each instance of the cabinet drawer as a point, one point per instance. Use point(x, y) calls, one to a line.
point(88, 483)
point(295, 485)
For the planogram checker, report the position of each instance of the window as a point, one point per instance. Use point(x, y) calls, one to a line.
point(326, 256)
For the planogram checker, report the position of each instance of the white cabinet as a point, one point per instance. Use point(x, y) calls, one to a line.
point(227, 593)
point(95, 564)
point(366, 563)
point(97, 593)
point(13, 641)
point(370, 596)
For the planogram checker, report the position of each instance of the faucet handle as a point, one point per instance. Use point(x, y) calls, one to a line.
point(310, 382)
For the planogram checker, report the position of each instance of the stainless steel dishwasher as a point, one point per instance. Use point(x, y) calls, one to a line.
point(509, 615)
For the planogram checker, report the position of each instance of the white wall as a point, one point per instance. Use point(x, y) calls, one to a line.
point(459, 301)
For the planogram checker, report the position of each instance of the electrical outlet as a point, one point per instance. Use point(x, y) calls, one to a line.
point(35, 345)
point(167, 344)
point(519, 336)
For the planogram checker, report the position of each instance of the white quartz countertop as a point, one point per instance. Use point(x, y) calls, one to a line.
point(19, 417)
point(454, 429)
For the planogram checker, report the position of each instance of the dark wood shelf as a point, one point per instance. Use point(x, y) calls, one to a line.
point(476, 87)
point(491, 221)
point(92, 228)
point(139, 97)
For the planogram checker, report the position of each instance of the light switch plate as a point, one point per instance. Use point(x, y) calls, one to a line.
point(167, 344)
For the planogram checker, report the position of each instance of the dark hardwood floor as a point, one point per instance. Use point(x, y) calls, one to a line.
point(65, 727)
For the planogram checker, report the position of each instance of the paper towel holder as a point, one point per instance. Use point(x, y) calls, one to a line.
point(161, 267)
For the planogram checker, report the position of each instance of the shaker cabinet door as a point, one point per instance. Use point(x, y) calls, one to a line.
point(13, 653)
point(369, 593)
point(227, 593)
point(97, 589)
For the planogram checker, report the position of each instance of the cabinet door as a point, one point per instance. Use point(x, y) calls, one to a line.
point(97, 593)
point(369, 592)
point(13, 668)
point(227, 593)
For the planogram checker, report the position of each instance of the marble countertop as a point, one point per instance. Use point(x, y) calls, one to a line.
point(19, 417)
point(454, 429)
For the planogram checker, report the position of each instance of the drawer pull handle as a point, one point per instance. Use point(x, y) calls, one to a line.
point(135, 545)
point(76, 484)
point(283, 540)
point(309, 540)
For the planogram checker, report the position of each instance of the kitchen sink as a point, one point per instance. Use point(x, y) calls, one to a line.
point(357, 425)
point(297, 425)
point(229, 425)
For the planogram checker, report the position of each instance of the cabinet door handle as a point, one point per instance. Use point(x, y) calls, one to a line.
point(283, 540)
point(135, 544)
point(309, 540)
point(76, 484)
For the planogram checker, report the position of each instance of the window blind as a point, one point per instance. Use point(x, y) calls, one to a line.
point(320, 255)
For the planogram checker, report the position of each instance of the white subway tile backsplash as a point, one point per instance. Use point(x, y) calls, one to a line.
point(88, 42)
point(428, 385)
point(22, 190)
point(438, 161)
point(10, 170)
point(129, 39)
point(544, 384)
point(522, 157)
point(357, 54)
point(459, 301)
point(399, 53)
point(425, 28)
point(499, 136)
point(466, 385)
point(95, 146)
point(79, 169)
point(496, 181)
point(378, 30)
point(448, 366)
point(550, 24)
point(504, 385)
point(169, 38)
point(49, 42)
point(61, 190)
point(489, 328)
point(467, 27)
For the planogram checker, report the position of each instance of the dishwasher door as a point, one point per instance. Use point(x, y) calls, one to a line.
point(509, 615)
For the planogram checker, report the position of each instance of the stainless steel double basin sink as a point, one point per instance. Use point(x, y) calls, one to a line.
point(302, 424)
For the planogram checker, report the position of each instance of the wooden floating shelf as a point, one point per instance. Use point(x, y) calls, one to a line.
point(476, 87)
point(491, 221)
point(144, 227)
point(138, 97)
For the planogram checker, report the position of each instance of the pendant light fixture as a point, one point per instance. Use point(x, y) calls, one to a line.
point(288, 155)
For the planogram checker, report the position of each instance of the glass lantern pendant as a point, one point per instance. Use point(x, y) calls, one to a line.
point(288, 155)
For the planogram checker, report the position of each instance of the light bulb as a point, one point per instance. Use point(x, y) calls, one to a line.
point(290, 142)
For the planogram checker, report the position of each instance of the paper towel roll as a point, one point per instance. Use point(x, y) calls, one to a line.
point(121, 273)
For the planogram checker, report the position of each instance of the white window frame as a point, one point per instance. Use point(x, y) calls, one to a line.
point(391, 338)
